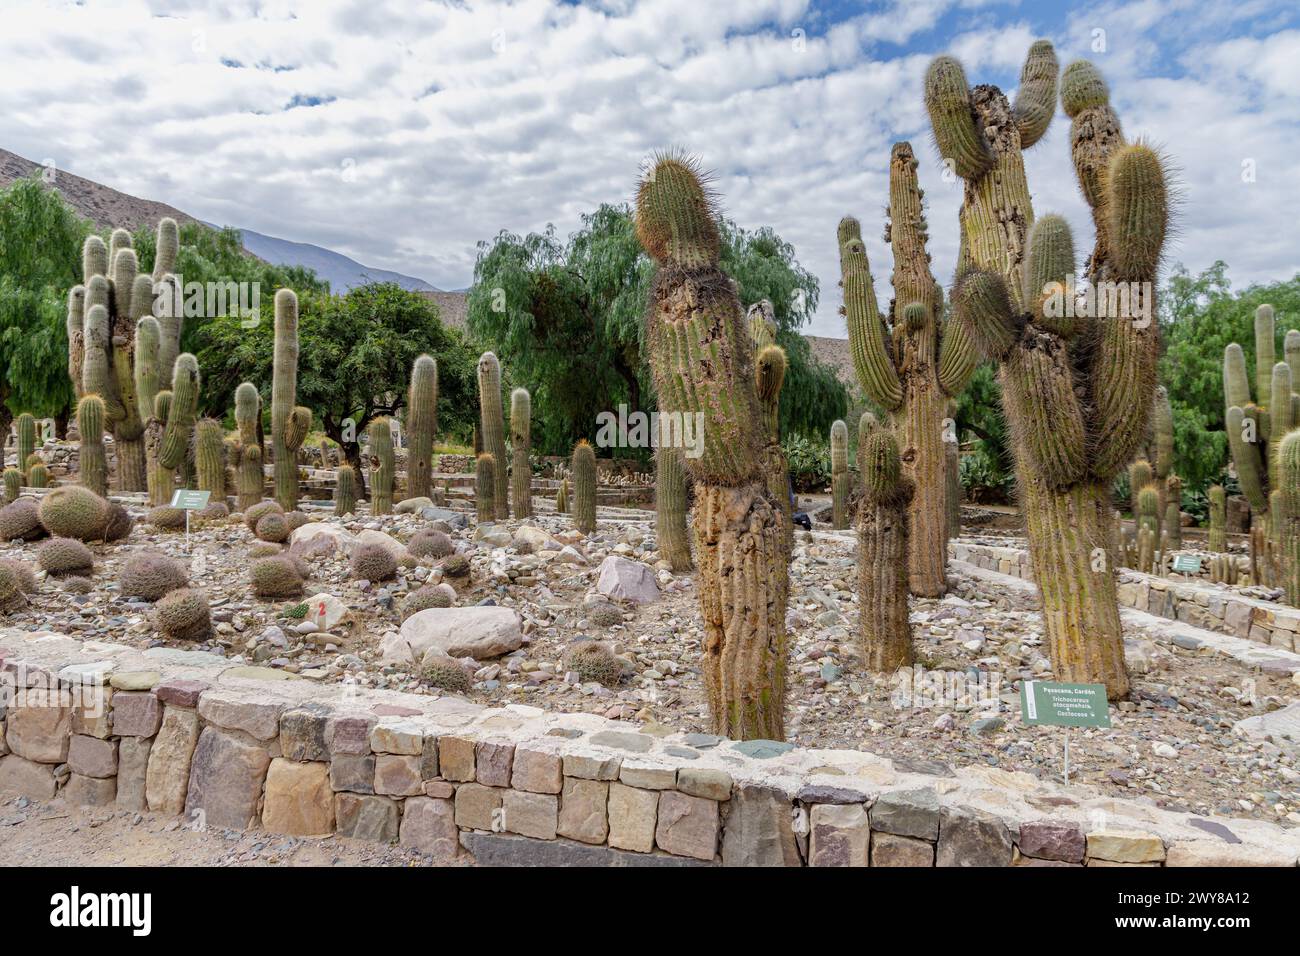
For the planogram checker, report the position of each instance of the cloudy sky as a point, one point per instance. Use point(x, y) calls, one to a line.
point(403, 132)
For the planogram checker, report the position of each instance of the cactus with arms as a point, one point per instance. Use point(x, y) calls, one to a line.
point(493, 425)
point(290, 423)
point(421, 425)
point(911, 365)
point(703, 364)
point(521, 471)
point(1077, 392)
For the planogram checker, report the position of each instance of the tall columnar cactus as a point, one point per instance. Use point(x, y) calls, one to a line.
point(521, 470)
point(770, 365)
point(562, 497)
point(103, 313)
point(382, 469)
point(1218, 537)
point(93, 455)
point(670, 508)
point(26, 438)
point(1077, 391)
point(1162, 427)
point(1172, 514)
point(249, 476)
point(840, 475)
point(421, 426)
point(909, 362)
point(161, 480)
point(493, 426)
point(1287, 516)
point(703, 364)
point(952, 473)
point(885, 634)
point(290, 423)
point(1139, 476)
point(1255, 428)
point(345, 490)
point(180, 415)
point(210, 458)
point(485, 488)
point(584, 487)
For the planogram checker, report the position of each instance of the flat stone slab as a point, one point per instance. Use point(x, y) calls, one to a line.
point(135, 680)
point(489, 849)
point(1278, 723)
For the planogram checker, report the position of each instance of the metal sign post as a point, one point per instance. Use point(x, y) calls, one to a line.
point(188, 501)
point(1064, 705)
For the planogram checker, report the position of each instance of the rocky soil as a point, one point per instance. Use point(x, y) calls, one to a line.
point(1173, 743)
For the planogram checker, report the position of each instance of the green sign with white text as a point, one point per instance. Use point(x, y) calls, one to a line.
point(190, 500)
point(1064, 705)
point(1187, 564)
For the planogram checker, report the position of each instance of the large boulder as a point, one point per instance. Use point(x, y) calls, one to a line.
point(626, 580)
point(477, 632)
point(321, 538)
point(385, 541)
point(411, 506)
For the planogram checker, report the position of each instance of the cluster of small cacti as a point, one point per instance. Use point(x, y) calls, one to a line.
point(151, 575)
point(584, 487)
point(670, 507)
point(701, 354)
point(1077, 394)
point(1223, 569)
point(593, 661)
point(372, 562)
point(562, 497)
point(345, 491)
point(382, 468)
point(183, 615)
point(910, 362)
point(492, 429)
point(290, 422)
point(485, 487)
point(839, 475)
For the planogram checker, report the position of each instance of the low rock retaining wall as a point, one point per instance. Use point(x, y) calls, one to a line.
point(187, 733)
point(1213, 607)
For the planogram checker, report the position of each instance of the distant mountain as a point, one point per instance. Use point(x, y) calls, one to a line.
point(341, 272)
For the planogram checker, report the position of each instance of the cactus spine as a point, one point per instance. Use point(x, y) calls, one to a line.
point(1077, 393)
point(210, 458)
point(1256, 428)
point(584, 487)
point(910, 365)
point(94, 457)
point(770, 365)
point(670, 508)
point(421, 426)
point(485, 488)
point(884, 631)
point(38, 476)
point(249, 477)
point(345, 490)
point(493, 427)
point(839, 475)
point(703, 364)
point(26, 438)
point(382, 469)
point(1218, 537)
point(521, 471)
point(290, 423)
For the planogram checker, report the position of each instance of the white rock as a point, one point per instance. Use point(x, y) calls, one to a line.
point(412, 506)
point(1162, 749)
point(387, 542)
point(627, 580)
point(325, 610)
point(321, 535)
point(477, 632)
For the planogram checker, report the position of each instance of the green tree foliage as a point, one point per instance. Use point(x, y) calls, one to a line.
point(567, 321)
point(354, 362)
point(1199, 316)
point(40, 259)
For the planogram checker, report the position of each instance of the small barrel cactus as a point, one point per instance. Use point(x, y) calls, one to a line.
point(12, 596)
point(93, 455)
point(64, 557)
point(839, 475)
point(372, 562)
point(429, 543)
point(456, 569)
point(272, 526)
point(38, 475)
point(521, 471)
point(593, 661)
point(345, 491)
point(562, 497)
point(604, 615)
point(421, 426)
point(1139, 476)
point(444, 673)
point(584, 488)
point(151, 575)
point(430, 595)
point(382, 469)
point(183, 615)
point(13, 484)
point(493, 429)
point(275, 577)
point(23, 576)
point(254, 513)
point(485, 486)
point(74, 512)
point(166, 518)
point(21, 521)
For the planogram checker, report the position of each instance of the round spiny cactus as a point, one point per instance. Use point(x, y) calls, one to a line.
point(151, 575)
point(593, 661)
point(254, 513)
point(12, 597)
point(430, 544)
point(444, 673)
point(166, 518)
point(21, 520)
point(372, 562)
point(604, 615)
point(74, 512)
point(183, 615)
point(430, 595)
point(275, 577)
point(23, 576)
point(63, 557)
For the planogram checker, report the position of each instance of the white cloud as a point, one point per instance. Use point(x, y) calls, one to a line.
point(441, 124)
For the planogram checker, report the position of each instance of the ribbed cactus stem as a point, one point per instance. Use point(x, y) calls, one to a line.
point(38, 475)
point(884, 631)
point(485, 488)
point(562, 497)
point(26, 438)
point(770, 366)
point(1139, 476)
point(288, 427)
point(161, 479)
point(345, 491)
point(702, 358)
point(180, 416)
point(382, 467)
point(584, 487)
point(1173, 527)
point(670, 508)
point(249, 477)
point(839, 475)
point(421, 426)
point(93, 455)
point(210, 458)
point(1288, 515)
point(521, 469)
point(165, 248)
point(13, 484)
point(1218, 537)
point(492, 425)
